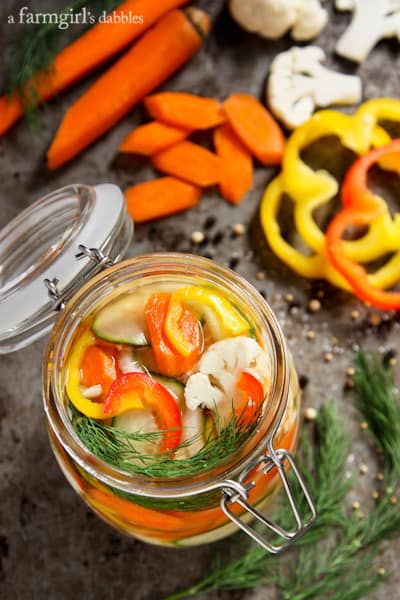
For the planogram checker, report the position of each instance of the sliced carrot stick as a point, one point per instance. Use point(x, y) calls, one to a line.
point(190, 162)
point(152, 137)
point(159, 198)
point(185, 110)
point(90, 50)
point(160, 52)
point(257, 129)
point(237, 171)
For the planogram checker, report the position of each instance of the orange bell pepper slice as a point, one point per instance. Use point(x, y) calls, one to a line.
point(360, 207)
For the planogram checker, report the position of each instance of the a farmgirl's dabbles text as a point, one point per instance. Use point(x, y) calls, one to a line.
point(164, 382)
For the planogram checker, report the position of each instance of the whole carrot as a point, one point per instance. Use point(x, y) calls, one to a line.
point(237, 169)
point(83, 55)
point(159, 198)
point(158, 54)
point(151, 138)
point(256, 128)
point(185, 110)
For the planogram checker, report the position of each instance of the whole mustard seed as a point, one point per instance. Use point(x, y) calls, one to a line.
point(356, 505)
point(363, 469)
point(260, 275)
point(328, 356)
point(363, 425)
point(239, 229)
point(375, 494)
point(197, 237)
point(379, 476)
point(314, 305)
point(381, 571)
point(310, 335)
point(310, 413)
point(350, 371)
point(355, 314)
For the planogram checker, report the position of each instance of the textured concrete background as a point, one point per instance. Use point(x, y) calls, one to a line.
point(51, 545)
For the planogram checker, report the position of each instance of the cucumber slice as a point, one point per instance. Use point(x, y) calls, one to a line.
point(123, 321)
point(175, 387)
point(139, 421)
point(193, 429)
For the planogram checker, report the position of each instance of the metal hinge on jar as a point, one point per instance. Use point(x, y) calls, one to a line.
point(237, 492)
point(100, 260)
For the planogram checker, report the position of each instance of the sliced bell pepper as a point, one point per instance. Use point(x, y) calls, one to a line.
point(309, 189)
point(73, 378)
point(139, 390)
point(169, 361)
point(182, 328)
point(232, 321)
point(249, 402)
point(362, 207)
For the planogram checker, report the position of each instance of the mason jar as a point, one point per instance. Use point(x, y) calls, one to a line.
point(188, 508)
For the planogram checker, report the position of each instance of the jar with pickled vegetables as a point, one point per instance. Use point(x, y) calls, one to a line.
point(172, 402)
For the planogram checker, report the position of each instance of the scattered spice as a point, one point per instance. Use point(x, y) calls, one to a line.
point(260, 275)
point(314, 305)
point(328, 356)
point(355, 314)
point(239, 229)
point(375, 319)
point(363, 425)
point(310, 335)
point(334, 341)
point(320, 294)
point(289, 298)
point(349, 384)
point(310, 413)
point(393, 499)
point(209, 222)
point(197, 237)
point(379, 476)
point(218, 238)
point(356, 505)
point(375, 494)
point(381, 571)
point(350, 371)
point(363, 469)
point(303, 381)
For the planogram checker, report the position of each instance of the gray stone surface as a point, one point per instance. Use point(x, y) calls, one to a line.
point(51, 545)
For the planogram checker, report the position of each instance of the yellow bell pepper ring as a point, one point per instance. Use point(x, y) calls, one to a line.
point(73, 379)
point(231, 320)
point(309, 189)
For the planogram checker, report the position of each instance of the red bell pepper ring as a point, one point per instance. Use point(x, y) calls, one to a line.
point(139, 390)
point(361, 207)
point(248, 405)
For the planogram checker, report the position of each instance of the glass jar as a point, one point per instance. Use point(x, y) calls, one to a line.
point(213, 502)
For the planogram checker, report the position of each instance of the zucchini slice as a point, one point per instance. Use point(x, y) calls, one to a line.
point(123, 321)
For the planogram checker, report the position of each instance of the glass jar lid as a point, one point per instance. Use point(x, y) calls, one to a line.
point(50, 249)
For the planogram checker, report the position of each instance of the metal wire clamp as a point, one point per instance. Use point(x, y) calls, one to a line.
point(238, 493)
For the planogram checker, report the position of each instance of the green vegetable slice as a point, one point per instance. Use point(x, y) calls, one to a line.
point(123, 321)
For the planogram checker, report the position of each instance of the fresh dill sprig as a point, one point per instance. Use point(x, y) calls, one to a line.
point(376, 401)
point(118, 449)
point(341, 564)
point(34, 50)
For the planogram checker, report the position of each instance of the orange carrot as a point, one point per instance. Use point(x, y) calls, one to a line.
point(151, 138)
point(160, 52)
point(257, 129)
point(159, 198)
point(90, 50)
point(185, 110)
point(237, 172)
point(190, 162)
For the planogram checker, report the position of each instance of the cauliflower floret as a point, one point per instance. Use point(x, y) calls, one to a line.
point(298, 83)
point(214, 386)
point(273, 18)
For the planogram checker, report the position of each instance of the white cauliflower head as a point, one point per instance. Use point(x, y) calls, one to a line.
point(298, 83)
point(214, 386)
point(273, 18)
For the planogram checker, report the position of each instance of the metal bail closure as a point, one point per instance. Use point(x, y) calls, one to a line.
point(236, 492)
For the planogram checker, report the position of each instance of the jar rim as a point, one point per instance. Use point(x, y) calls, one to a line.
point(152, 265)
